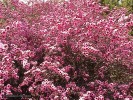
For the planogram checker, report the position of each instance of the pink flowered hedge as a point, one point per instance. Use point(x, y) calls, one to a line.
point(75, 50)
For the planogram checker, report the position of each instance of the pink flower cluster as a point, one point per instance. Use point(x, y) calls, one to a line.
point(65, 51)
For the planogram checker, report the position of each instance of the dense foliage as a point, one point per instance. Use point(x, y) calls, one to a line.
point(76, 50)
point(119, 3)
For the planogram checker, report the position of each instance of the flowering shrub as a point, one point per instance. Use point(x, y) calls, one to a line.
point(66, 51)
